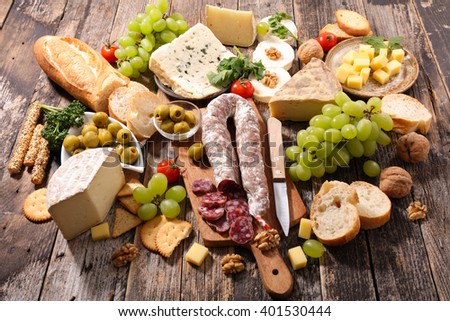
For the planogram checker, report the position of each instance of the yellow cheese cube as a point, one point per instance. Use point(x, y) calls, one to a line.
point(355, 82)
point(365, 73)
point(361, 55)
point(304, 231)
point(381, 76)
point(360, 63)
point(398, 54)
point(386, 43)
point(343, 71)
point(367, 49)
point(297, 257)
point(100, 232)
point(393, 67)
point(383, 52)
point(197, 254)
point(364, 47)
point(348, 57)
point(378, 62)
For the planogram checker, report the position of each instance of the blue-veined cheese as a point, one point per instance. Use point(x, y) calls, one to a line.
point(184, 63)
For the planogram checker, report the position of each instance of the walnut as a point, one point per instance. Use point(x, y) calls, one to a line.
point(232, 263)
point(270, 79)
point(125, 254)
point(308, 50)
point(413, 148)
point(267, 240)
point(395, 182)
point(417, 211)
point(273, 53)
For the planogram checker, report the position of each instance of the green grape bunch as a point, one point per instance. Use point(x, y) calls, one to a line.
point(149, 31)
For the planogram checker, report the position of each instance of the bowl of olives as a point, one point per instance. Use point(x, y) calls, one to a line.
point(177, 120)
point(101, 131)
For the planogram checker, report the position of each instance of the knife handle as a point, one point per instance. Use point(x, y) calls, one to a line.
point(276, 149)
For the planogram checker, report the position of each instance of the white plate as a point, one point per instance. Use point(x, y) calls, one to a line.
point(139, 166)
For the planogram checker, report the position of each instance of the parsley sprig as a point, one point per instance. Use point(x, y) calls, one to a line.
point(233, 68)
point(378, 42)
point(278, 28)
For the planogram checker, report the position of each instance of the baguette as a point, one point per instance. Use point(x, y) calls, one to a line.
point(78, 69)
point(352, 23)
point(119, 101)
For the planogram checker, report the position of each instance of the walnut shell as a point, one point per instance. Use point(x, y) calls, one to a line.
point(413, 148)
point(395, 182)
point(308, 50)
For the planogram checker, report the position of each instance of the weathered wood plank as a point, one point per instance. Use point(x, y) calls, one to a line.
point(5, 6)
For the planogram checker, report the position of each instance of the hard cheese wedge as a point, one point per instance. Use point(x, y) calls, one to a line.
point(305, 93)
point(81, 192)
point(231, 27)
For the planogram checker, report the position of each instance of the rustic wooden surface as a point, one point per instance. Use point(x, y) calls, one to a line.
point(403, 260)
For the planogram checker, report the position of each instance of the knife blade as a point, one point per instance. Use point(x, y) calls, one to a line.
point(278, 173)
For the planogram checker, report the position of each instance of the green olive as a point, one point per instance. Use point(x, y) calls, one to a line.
point(105, 137)
point(129, 155)
point(77, 151)
point(161, 112)
point(113, 128)
point(167, 126)
point(119, 149)
point(195, 151)
point(176, 113)
point(181, 127)
point(80, 138)
point(189, 118)
point(89, 128)
point(124, 136)
point(71, 143)
point(90, 139)
point(100, 119)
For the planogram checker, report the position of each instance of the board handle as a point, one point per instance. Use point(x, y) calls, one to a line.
point(275, 275)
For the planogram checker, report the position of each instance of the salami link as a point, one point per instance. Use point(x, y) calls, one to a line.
point(211, 213)
point(202, 186)
point(213, 199)
point(241, 230)
point(221, 225)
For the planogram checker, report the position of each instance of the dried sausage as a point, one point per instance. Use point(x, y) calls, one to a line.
point(211, 213)
point(202, 186)
point(241, 230)
point(213, 199)
point(221, 225)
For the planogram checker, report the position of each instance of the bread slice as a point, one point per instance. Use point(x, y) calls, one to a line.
point(408, 114)
point(352, 23)
point(140, 115)
point(374, 206)
point(335, 30)
point(119, 101)
point(334, 216)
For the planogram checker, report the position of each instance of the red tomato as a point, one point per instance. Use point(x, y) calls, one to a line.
point(108, 51)
point(170, 169)
point(327, 40)
point(243, 88)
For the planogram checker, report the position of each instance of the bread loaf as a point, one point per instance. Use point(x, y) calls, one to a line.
point(78, 69)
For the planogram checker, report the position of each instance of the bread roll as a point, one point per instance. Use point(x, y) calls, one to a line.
point(352, 23)
point(119, 101)
point(79, 69)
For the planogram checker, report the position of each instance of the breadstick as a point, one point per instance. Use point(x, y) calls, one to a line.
point(40, 164)
point(33, 149)
point(16, 161)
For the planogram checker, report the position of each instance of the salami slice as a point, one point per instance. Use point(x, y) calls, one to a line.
point(213, 199)
point(237, 212)
point(228, 186)
point(202, 186)
point(241, 230)
point(231, 204)
point(211, 213)
point(221, 225)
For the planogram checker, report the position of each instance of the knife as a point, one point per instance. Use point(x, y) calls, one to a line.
point(278, 173)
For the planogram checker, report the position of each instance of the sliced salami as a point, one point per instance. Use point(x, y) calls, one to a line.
point(228, 186)
point(236, 212)
point(221, 225)
point(231, 204)
point(211, 213)
point(241, 230)
point(202, 186)
point(213, 199)
point(237, 195)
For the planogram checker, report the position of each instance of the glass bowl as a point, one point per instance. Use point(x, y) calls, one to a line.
point(188, 106)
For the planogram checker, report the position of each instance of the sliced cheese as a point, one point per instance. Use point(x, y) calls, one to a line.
point(185, 63)
point(274, 54)
point(81, 192)
point(231, 27)
point(289, 24)
point(262, 90)
point(305, 93)
point(197, 254)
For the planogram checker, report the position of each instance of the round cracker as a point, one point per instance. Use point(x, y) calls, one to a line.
point(149, 231)
point(35, 206)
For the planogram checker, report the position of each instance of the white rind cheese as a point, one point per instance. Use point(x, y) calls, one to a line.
point(262, 92)
point(82, 191)
point(289, 24)
point(285, 51)
point(184, 63)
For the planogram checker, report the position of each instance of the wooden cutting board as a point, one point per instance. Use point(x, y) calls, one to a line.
point(276, 276)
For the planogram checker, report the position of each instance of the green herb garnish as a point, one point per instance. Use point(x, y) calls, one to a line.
point(278, 28)
point(233, 68)
point(59, 120)
point(378, 42)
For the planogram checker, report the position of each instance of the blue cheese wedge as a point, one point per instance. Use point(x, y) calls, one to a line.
point(184, 63)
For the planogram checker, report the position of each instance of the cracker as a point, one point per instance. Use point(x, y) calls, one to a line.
point(130, 203)
point(129, 187)
point(149, 231)
point(124, 221)
point(170, 235)
point(35, 206)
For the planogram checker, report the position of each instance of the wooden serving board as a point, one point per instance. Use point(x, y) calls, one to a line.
point(275, 275)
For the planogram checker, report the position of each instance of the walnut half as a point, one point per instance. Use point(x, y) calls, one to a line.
point(417, 211)
point(232, 263)
point(125, 254)
point(273, 53)
point(267, 240)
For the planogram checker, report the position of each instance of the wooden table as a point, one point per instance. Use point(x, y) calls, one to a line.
point(403, 260)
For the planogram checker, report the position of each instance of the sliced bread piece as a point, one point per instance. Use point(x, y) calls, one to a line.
point(335, 30)
point(334, 216)
point(140, 115)
point(119, 101)
point(374, 206)
point(352, 22)
point(408, 114)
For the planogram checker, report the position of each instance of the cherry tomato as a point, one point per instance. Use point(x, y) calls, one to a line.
point(327, 40)
point(243, 88)
point(108, 51)
point(169, 168)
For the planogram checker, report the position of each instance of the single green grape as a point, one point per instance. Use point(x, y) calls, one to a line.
point(158, 184)
point(176, 193)
point(126, 69)
point(355, 147)
point(136, 62)
point(311, 141)
point(177, 16)
point(342, 157)
point(333, 135)
point(131, 51)
point(162, 5)
point(120, 53)
point(126, 41)
point(313, 248)
point(292, 152)
point(340, 98)
point(146, 26)
point(375, 132)
point(318, 170)
point(301, 135)
point(293, 172)
point(318, 132)
point(303, 173)
point(262, 28)
point(371, 168)
point(143, 195)
point(172, 24)
point(135, 73)
point(159, 25)
point(364, 128)
point(167, 36)
point(330, 168)
point(340, 120)
point(353, 109)
point(348, 131)
point(374, 104)
point(384, 121)
point(143, 54)
point(383, 138)
point(370, 147)
point(149, 7)
point(331, 110)
point(324, 150)
point(133, 25)
point(146, 45)
point(182, 26)
point(170, 208)
point(320, 121)
point(141, 16)
point(147, 211)
point(155, 14)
